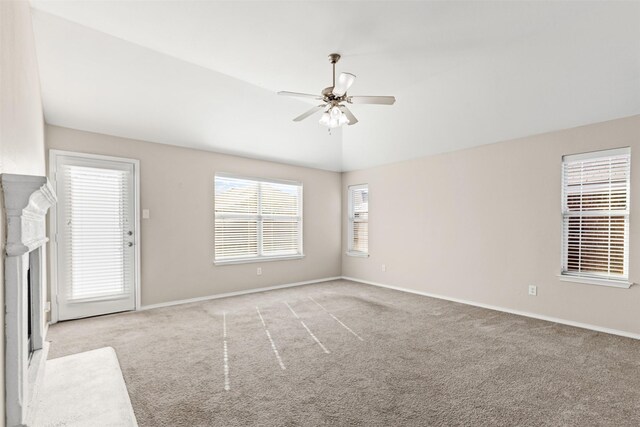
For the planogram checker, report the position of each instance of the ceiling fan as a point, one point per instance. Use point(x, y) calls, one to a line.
point(333, 97)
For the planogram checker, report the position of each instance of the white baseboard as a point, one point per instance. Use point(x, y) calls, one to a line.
point(233, 294)
point(505, 310)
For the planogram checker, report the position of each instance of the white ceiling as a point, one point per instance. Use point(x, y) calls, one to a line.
point(204, 74)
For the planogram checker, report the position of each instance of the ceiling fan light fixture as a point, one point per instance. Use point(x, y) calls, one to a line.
point(325, 119)
point(333, 118)
point(343, 83)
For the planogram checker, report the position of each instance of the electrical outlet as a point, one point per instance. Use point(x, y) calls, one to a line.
point(384, 267)
point(47, 306)
point(533, 290)
point(259, 271)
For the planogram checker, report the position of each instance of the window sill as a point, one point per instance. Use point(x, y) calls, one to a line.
point(260, 259)
point(596, 281)
point(358, 254)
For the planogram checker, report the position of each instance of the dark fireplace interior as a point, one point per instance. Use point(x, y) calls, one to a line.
point(29, 312)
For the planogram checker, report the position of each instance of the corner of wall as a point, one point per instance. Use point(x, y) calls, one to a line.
point(342, 221)
point(2, 249)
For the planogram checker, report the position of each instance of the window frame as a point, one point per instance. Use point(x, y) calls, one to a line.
point(260, 219)
point(595, 278)
point(351, 221)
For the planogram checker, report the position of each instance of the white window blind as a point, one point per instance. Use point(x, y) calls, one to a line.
point(358, 219)
point(96, 204)
point(256, 219)
point(596, 214)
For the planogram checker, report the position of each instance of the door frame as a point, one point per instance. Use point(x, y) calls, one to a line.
point(53, 225)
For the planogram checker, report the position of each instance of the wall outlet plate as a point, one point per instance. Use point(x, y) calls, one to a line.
point(533, 290)
point(384, 267)
point(259, 271)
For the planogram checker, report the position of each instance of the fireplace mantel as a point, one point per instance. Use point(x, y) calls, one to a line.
point(26, 201)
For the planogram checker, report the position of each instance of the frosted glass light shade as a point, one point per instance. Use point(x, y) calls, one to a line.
point(333, 118)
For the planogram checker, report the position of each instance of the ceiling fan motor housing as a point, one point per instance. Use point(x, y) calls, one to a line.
point(329, 97)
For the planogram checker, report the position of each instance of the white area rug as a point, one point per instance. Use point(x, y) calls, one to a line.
point(84, 389)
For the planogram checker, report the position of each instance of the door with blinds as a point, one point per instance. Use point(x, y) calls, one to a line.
point(95, 235)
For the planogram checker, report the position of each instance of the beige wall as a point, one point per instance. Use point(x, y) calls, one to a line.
point(177, 240)
point(21, 121)
point(484, 223)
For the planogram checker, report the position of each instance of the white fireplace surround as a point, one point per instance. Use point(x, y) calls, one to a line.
point(26, 201)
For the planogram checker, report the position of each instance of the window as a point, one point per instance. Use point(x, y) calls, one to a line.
point(595, 210)
point(358, 220)
point(257, 219)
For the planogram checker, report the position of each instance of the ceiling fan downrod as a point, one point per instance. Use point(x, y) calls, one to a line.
point(333, 58)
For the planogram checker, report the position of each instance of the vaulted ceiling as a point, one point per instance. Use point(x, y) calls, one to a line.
point(205, 74)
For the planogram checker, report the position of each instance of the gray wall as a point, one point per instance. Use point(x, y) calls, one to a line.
point(177, 241)
point(21, 121)
point(482, 224)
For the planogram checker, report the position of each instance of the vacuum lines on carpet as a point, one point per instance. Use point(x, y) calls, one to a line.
point(225, 359)
point(227, 387)
point(273, 345)
point(336, 319)
point(308, 330)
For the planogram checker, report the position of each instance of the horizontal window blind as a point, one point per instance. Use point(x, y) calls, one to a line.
point(256, 218)
point(96, 204)
point(596, 214)
point(359, 219)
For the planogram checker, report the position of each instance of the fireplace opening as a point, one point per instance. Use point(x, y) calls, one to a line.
point(29, 313)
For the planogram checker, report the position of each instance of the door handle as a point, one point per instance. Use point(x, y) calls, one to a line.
point(129, 244)
point(129, 233)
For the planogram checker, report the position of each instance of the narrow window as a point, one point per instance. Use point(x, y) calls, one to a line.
point(595, 210)
point(358, 220)
point(257, 219)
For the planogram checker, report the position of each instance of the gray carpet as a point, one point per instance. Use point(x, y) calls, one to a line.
point(420, 361)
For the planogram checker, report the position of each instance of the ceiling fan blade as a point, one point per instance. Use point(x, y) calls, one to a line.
point(343, 83)
point(382, 100)
point(349, 114)
point(299, 95)
point(309, 113)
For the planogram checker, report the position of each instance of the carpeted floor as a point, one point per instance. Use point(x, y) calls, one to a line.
point(360, 355)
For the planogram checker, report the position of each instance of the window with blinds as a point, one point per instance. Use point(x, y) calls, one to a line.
point(256, 219)
point(358, 220)
point(97, 216)
point(595, 211)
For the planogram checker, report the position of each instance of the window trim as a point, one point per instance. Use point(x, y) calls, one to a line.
point(350, 219)
point(595, 278)
point(257, 259)
point(260, 218)
point(592, 280)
